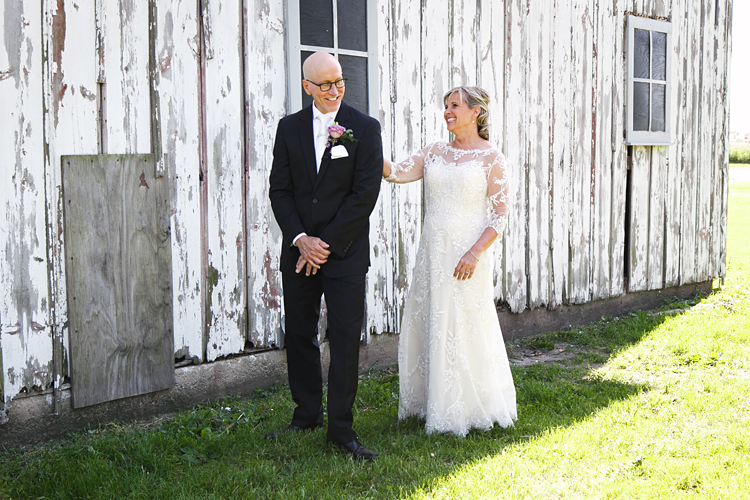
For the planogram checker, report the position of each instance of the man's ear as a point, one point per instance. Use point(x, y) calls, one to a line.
point(305, 85)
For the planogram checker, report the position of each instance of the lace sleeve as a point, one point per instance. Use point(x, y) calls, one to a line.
point(411, 169)
point(498, 194)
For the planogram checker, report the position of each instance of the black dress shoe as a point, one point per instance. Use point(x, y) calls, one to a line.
point(359, 452)
point(290, 428)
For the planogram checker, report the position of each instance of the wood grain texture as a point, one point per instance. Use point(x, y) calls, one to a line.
point(264, 46)
point(225, 294)
point(516, 142)
point(25, 310)
point(119, 277)
point(177, 49)
point(539, 264)
point(581, 123)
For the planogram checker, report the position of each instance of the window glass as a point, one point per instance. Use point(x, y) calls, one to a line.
point(316, 23)
point(658, 107)
point(642, 60)
point(355, 72)
point(352, 20)
point(660, 55)
point(641, 105)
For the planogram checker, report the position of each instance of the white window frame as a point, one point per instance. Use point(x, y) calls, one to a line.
point(295, 48)
point(642, 137)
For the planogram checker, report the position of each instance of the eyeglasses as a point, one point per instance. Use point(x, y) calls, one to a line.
point(325, 87)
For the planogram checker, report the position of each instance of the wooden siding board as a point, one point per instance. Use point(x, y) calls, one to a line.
point(706, 111)
point(690, 140)
point(407, 135)
point(380, 310)
point(266, 104)
point(128, 104)
point(722, 271)
point(465, 21)
point(225, 293)
point(177, 58)
point(619, 154)
point(491, 48)
point(673, 197)
point(640, 183)
point(538, 223)
point(560, 183)
point(436, 68)
point(719, 141)
point(25, 323)
point(516, 140)
point(604, 53)
point(657, 189)
point(581, 101)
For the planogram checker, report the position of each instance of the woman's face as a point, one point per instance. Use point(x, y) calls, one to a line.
point(457, 113)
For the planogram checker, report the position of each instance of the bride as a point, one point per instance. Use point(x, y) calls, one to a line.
point(453, 368)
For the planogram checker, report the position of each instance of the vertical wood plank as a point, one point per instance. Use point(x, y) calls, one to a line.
point(560, 154)
point(619, 154)
point(722, 240)
point(719, 142)
point(127, 89)
point(491, 78)
point(25, 322)
point(706, 126)
point(225, 294)
point(266, 105)
point(674, 187)
point(407, 136)
point(690, 141)
point(640, 198)
point(465, 22)
point(380, 310)
point(177, 58)
point(436, 67)
point(606, 33)
point(581, 99)
point(516, 141)
point(657, 190)
point(538, 221)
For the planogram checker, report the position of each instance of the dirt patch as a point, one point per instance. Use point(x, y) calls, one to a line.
point(527, 355)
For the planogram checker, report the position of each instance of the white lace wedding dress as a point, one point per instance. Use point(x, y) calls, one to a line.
point(453, 368)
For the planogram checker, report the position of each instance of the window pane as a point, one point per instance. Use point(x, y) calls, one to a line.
point(660, 55)
point(641, 105)
point(352, 17)
point(642, 55)
point(658, 107)
point(316, 22)
point(306, 99)
point(355, 72)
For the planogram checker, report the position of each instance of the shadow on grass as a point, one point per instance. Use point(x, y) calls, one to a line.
point(220, 450)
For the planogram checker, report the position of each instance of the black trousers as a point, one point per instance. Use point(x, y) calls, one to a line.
point(345, 301)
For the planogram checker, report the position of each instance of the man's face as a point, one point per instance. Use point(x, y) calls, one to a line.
point(326, 72)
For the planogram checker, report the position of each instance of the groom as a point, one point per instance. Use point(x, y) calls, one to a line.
point(322, 194)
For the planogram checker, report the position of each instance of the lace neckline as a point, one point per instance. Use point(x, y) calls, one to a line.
point(467, 151)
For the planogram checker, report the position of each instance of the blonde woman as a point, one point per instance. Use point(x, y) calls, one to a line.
point(453, 367)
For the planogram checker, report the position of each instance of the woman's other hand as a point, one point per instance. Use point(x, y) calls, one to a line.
point(466, 266)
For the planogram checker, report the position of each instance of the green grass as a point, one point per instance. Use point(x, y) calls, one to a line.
point(739, 152)
point(652, 406)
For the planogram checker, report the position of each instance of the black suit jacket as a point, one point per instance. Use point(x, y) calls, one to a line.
point(334, 204)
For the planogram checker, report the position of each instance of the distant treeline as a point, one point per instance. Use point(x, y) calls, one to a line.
point(739, 152)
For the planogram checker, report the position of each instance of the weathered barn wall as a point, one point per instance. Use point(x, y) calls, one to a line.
point(592, 219)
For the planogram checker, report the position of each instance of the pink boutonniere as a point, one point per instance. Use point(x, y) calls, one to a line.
point(337, 133)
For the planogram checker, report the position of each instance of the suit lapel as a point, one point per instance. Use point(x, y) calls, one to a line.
point(342, 118)
point(306, 142)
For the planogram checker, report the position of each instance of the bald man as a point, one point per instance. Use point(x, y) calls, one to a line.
point(322, 195)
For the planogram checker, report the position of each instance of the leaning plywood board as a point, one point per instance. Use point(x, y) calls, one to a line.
point(119, 277)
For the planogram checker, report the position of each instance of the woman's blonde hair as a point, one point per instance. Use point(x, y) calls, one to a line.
point(474, 96)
